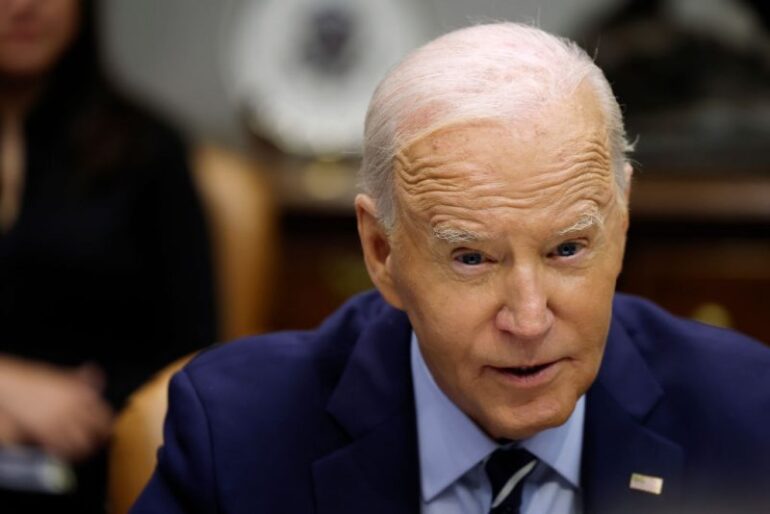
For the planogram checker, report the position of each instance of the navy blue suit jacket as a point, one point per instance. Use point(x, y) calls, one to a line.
point(323, 421)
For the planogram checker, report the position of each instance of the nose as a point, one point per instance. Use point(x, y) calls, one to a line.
point(525, 314)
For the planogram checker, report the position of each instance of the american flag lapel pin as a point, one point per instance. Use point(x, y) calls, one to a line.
point(646, 483)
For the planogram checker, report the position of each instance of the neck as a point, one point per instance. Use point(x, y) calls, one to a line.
point(17, 95)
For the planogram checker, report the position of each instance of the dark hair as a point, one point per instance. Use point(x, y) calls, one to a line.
point(101, 130)
point(81, 62)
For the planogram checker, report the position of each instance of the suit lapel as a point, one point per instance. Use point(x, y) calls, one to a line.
point(375, 474)
point(616, 442)
point(378, 471)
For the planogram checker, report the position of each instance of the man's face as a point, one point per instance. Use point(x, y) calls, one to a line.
point(506, 249)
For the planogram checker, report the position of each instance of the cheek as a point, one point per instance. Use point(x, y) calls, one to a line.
point(448, 322)
point(583, 305)
point(63, 26)
point(589, 310)
point(448, 310)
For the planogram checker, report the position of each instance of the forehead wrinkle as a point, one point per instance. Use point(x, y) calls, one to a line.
point(449, 174)
point(573, 168)
point(593, 150)
point(592, 184)
point(442, 190)
point(592, 155)
point(439, 184)
point(466, 203)
point(582, 178)
point(413, 168)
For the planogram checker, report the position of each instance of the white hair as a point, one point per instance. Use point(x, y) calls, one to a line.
point(500, 71)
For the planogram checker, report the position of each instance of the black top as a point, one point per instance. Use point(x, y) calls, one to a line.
point(108, 260)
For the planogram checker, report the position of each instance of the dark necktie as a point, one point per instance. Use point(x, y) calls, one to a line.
point(506, 469)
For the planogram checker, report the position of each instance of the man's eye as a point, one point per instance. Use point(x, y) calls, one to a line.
point(567, 249)
point(470, 258)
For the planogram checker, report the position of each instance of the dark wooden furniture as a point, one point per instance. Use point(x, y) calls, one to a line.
point(701, 248)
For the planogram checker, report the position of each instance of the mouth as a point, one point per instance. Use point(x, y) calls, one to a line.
point(528, 375)
point(526, 371)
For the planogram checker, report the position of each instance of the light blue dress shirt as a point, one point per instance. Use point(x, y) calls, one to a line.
point(453, 450)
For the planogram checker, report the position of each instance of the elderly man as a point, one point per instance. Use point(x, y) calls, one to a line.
point(494, 370)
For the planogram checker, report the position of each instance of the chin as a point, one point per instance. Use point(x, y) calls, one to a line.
point(24, 70)
point(527, 420)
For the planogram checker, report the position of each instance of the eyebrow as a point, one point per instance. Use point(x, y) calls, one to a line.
point(586, 221)
point(455, 235)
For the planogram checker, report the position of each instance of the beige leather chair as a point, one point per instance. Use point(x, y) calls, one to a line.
point(241, 216)
point(137, 435)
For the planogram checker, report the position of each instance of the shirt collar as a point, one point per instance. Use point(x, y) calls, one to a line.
point(560, 447)
point(451, 444)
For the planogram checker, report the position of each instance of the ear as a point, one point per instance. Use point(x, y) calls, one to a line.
point(377, 249)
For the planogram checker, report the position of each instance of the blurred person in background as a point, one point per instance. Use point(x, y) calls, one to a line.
point(105, 269)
